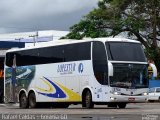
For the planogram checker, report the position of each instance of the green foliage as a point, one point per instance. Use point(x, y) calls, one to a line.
point(138, 19)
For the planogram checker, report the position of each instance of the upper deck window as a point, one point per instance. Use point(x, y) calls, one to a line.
point(125, 51)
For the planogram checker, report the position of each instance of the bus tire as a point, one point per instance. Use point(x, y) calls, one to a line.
point(32, 100)
point(23, 101)
point(87, 100)
point(122, 105)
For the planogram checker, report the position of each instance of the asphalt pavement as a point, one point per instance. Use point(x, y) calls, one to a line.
point(134, 111)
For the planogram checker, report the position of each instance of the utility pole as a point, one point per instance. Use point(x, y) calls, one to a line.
point(34, 37)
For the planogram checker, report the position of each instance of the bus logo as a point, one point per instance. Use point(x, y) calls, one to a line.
point(80, 68)
point(66, 68)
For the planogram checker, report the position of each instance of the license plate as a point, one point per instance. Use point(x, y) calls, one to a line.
point(131, 99)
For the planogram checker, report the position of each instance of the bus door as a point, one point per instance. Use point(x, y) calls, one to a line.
point(100, 68)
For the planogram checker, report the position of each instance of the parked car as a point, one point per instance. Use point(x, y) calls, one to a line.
point(154, 94)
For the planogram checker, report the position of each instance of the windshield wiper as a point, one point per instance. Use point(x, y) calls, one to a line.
point(110, 51)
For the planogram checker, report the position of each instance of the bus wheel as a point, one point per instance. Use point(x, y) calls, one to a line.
point(87, 101)
point(122, 105)
point(23, 102)
point(32, 100)
point(159, 99)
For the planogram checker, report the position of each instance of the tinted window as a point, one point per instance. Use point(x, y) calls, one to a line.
point(151, 90)
point(158, 90)
point(35, 56)
point(26, 57)
point(51, 55)
point(54, 54)
point(9, 59)
point(123, 51)
point(75, 52)
point(127, 75)
point(100, 63)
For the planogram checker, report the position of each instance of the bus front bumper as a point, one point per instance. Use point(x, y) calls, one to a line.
point(128, 99)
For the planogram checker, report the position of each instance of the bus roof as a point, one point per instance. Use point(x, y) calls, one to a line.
point(72, 41)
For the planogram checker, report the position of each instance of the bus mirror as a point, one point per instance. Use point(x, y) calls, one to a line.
point(110, 69)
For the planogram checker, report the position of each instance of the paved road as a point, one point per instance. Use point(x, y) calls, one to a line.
point(138, 111)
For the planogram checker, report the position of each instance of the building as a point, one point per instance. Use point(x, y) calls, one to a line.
point(32, 38)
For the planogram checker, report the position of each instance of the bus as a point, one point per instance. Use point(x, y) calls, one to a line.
point(109, 71)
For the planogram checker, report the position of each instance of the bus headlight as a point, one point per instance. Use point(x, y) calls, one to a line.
point(145, 93)
point(116, 93)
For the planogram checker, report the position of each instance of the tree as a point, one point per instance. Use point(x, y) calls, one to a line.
point(138, 19)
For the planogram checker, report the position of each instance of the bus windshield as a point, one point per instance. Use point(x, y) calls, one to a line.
point(128, 75)
point(125, 51)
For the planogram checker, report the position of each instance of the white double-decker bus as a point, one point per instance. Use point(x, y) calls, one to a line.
point(111, 71)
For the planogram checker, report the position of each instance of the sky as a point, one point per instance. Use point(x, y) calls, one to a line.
point(36, 15)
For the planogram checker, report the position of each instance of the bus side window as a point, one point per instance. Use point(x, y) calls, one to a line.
point(100, 63)
point(77, 52)
point(9, 59)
